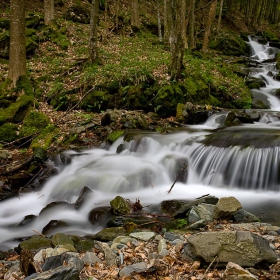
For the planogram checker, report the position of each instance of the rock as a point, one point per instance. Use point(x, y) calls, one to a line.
point(109, 234)
point(84, 245)
point(90, 258)
point(110, 257)
point(66, 259)
point(120, 205)
point(235, 272)
point(62, 272)
point(241, 247)
point(61, 238)
point(53, 224)
point(201, 212)
point(170, 236)
point(170, 207)
point(83, 197)
point(35, 242)
point(134, 268)
point(77, 13)
point(181, 212)
point(242, 216)
point(197, 225)
point(144, 236)
point(226, 207)
point(27, 220)
point(100, 215)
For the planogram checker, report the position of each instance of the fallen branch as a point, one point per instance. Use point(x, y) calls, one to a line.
point(18, 167)
point(208, 268)
point(180, 173)
point(39, 233)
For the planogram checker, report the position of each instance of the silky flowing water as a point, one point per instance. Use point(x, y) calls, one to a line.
point(146, 167)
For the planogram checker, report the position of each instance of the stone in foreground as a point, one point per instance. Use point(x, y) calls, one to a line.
point(241, 247)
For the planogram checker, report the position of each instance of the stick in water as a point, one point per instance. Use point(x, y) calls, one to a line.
point(180, 173)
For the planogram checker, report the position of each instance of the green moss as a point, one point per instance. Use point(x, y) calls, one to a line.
point(34, 122)
point(24, 84)
point(177, 224)
point(8, 132)
point(254, 86)
point(96, 101)
point(115, 135)
point(45, 138)
point(278, 61)
point(244, 101)
point(16, 112)
point(270, 36)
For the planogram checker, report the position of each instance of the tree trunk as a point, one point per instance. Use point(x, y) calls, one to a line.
point(167, 21)
point(48, 11)
point(135, 20)
point(159, 22)
point(93, 47)
point(117, 15)
point(17, 57)
point(176, 39)
point(192, 23)
point(184, 26)
point(220, 16)
point(211, 17)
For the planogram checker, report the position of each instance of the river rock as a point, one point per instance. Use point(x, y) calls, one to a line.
point(69, 258)
point(241, 247)
point(109, 234)
point(110, 257)
point(83, 197)
point(120, 205)
point(226, 207)
point(61, 238)
point(35, 242)
point(242, 216)
point(100, 215)
point(235, 272)
point(134, 268)
point(201, 212)
point(62, 272)
point(144, 236)
point(90, 258)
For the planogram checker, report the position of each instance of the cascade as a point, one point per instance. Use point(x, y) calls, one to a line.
point(242, 161)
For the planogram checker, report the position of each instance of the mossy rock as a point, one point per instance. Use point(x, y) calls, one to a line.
point(77, 13)
point(278, 61)
point(96, 101)
point(244, 100)
point(270, 36)
point(45, 138)
point(115, 135)
point(120, 205)
point(34, 20)
point(31, 41)
point(84, 245)
point(177, 224)
point(60, 239)
point(36, 242)
point(24, 84)
point(168, 97)
point(230, 44)
point(8, 132)
point(4, 44)
point(109, 234)
point(17, 111)
point(34, 122)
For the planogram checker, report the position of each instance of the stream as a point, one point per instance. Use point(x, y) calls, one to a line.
point(241, 161)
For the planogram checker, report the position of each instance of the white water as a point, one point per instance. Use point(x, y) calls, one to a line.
point(146, 169)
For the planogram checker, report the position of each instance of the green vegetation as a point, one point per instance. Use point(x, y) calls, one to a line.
point(115, 135)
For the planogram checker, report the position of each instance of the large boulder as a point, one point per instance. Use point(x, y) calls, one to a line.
point(241, 247)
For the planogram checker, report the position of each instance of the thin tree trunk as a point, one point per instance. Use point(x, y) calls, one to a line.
point(159, 22)
point(167, 22)
point(192, 24)
point(184, 27)
point(117, 15)
point(135, 20)
point(93, 47)
point(220, 16)
point(17, 56)
point(48, 11)
point(211, 17)
point(176, 39)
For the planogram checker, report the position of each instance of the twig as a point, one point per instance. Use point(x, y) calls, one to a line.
point(10, 190)
point(203, 196)
point(39, 233)
point(32, 179)
point(208, 268)
point(18, 167)
point(180, 173)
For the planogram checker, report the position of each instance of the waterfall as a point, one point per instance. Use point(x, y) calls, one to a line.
point(146, 167)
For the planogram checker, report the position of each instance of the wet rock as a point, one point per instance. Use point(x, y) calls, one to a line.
point(100, 215)
point(53, 225)
point(55, 207)
point(198, 117)
point(237, 117)
point(84, 245)
point(235, 272)
point(27, 220)
point(226, 207)
point(62, 272)
point(120, 205)
point(109, 234)
point(35, 242)
point(120, 221)
point(144, 236)
point(241, 247)
point(170, 207)
point(134, 268)
point(84, 196)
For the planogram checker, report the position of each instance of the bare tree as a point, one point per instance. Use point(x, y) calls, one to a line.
point(220, 16)
point(48, 11)
point(17, 57)
point(159, 22)
point(93, 40)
